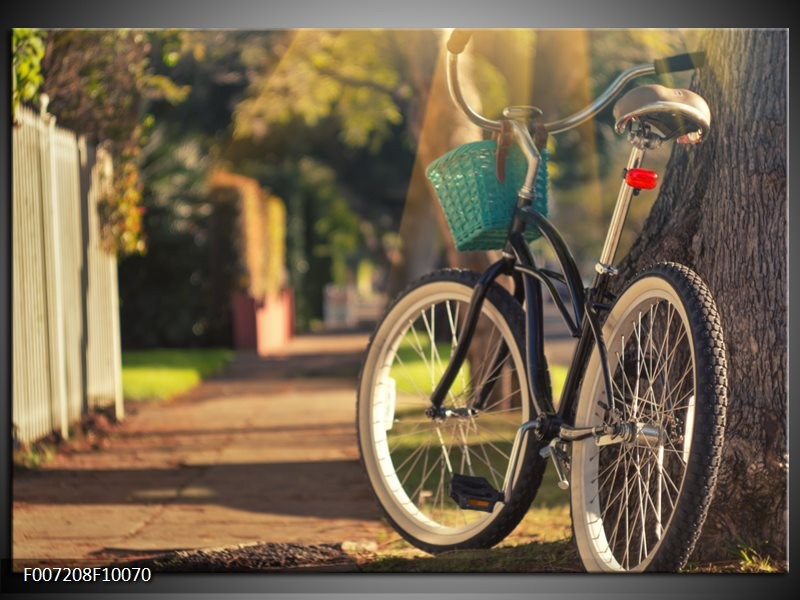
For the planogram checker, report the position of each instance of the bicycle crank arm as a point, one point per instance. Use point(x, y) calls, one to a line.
point(576, 434)
point(609, 439)
point(511, 471)
point(553, 449)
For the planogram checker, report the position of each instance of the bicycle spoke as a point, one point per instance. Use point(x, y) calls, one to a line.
point(453, 319)
point(423, 453)
point(425, 398)
point(494, 473)
point(500, 401)
point(414, 464)
point(651, 384)
point(425, 475)
point(416, 431)
point(484, 426)
point(410, 456)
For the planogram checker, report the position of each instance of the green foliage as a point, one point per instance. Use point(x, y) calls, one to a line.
point(325, 237)
point(99, 83)
point(348, 74)
point(751, 561)
point(34, 456)
point(27, 50)
point(275, 248)
point(338, 230)
point(178, 293)
point(336, 101)
point(261, 232)
point(163, 374)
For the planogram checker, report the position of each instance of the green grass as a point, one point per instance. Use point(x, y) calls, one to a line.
point(413, 375)
point(33, 456)
point(742, 559)
point(536, 556)
point(752, 561)
point(489, 447)
point(163, 374)
point(542, 542)
point(558, 375)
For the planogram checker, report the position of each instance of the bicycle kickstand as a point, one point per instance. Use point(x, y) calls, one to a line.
point(560, 461)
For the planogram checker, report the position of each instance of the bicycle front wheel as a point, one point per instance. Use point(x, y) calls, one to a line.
point(410, 458)
point(640, 497)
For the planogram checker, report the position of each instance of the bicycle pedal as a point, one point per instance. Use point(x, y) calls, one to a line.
point(474, 493)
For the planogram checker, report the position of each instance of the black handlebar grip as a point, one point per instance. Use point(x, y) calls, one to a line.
point(458, 40)
point(680, 62)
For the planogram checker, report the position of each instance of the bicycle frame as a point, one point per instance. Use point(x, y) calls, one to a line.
point(621, 453)
point(552, 427)
point(583, 323)
point(518, 261)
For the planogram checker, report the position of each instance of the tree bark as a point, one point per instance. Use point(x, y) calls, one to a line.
point(722, 210)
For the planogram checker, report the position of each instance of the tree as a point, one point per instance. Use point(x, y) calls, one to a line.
point(27, 49)
point(722, 211)
point(178, 292)
point(99, 83)
point(368, 83)
point(371, 83)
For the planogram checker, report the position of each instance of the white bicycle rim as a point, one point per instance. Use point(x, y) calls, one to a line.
point(652, 493)
point(402, 504)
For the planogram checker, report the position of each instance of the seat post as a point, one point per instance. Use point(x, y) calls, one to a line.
point(620, 213)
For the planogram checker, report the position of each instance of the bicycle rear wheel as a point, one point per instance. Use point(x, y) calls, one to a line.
point(639, 499)
point(410, 459)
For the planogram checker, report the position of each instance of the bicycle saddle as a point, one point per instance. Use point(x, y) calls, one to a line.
point(670, 112)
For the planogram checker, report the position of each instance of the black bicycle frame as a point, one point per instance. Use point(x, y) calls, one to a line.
point(581, 318)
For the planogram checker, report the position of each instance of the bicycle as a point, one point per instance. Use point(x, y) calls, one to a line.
point(455, 436)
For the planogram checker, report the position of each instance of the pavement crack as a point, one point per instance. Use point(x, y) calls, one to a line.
point(169, 502)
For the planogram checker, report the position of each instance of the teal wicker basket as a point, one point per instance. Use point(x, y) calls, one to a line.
point(478, 207)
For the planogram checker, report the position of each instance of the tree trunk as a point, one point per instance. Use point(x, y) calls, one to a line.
point(722, 211)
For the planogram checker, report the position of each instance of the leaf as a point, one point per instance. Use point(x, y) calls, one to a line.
point(350, 75)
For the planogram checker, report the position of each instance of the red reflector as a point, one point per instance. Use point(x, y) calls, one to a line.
point(641, 179)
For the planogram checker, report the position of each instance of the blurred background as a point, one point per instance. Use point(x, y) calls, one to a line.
point(329, 133)
point(264, 184)
point(186, 200)
point(286, 166)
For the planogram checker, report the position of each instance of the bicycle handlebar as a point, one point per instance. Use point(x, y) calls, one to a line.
point(460, 37)
point(601, 101)
point(455, 93)
point(458, 40)
point(680, 62)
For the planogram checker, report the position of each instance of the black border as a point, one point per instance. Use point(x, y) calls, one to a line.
point(265, 14)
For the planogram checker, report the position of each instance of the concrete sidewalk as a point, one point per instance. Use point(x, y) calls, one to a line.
point(265, 452)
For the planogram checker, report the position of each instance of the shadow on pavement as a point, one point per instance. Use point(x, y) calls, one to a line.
point(326, 489)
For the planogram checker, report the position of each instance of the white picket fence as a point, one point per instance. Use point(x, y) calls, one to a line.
point(65, 317)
